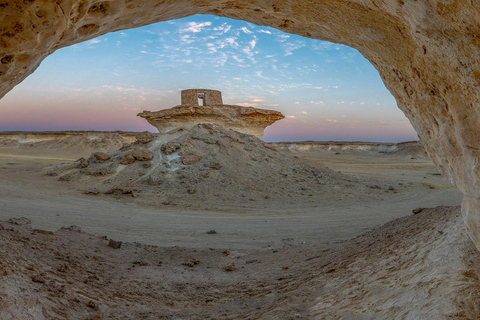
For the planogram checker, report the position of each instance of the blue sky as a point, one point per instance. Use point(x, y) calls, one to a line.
point(326, 91)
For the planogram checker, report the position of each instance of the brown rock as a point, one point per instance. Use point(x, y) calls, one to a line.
point(101, 156)
point(114, 244)
point(38, 279)
point(142, 154)
point(418, 210)
point(127, 159)
point(191, 158)
point(144, 137)
point(230, 267)
point(83, 163)
point(171, 147)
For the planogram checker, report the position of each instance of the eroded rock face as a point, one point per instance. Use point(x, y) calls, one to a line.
point(426, 51)
point(242, 119)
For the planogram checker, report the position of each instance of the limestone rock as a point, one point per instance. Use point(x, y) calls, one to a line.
point(142, 154)
point(191, 158)
point(127, 159)
point(242, 119)
point(144, 137)
point(426, 52)
point(101, 156)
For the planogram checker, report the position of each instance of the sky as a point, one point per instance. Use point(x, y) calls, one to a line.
point(326, 91)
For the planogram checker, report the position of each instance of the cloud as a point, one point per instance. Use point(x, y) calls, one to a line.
point(264, 31)
point(224, 28)
point(246, 104)
point(246, 31)
point(316, 102)
point(195, 26)
point(290, 47)
point(282, 37)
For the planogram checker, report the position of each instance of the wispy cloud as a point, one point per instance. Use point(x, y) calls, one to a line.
point(195, 26)
point(246, 30)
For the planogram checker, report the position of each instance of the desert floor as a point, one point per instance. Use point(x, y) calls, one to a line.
point(338, 259)
point(26, 191)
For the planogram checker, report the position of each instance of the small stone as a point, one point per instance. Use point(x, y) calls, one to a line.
point(191, 158)
point(115, 244)
point(101, 156)
point(212, 232)
point(191, 190)
point(230, 267)
point(418, 210)
point(154, 180)
point(127, 159)
point(215, 165)
point(91, 304)
point(38, 279)
point(93, 191)
point(144, 137)
point(83, 163)
point(142, 154)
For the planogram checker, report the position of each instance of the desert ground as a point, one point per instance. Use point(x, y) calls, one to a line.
point(349, 248)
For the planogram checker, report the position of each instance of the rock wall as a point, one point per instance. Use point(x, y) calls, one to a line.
point(426, 51)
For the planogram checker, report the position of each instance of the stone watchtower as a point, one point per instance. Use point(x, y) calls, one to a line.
point(201, 97)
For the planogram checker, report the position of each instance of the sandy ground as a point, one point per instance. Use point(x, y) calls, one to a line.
point(417, 267)
point(339, 259)
point(26, 191)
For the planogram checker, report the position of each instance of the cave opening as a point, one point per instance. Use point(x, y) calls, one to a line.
point(326, 91)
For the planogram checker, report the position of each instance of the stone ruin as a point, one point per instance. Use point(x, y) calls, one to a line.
point(206, 106)
point(192, 97)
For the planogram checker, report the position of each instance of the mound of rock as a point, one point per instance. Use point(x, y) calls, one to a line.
point(203, 165)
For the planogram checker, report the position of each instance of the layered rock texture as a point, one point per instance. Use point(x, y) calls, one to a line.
point(247, 120)
point(426, 51)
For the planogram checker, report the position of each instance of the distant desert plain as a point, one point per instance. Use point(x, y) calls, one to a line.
point(355, 230)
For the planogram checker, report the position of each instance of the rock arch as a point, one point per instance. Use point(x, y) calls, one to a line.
point(426, 51)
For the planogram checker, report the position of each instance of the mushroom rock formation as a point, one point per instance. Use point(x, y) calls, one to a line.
point(426, 51)
point(247, 120)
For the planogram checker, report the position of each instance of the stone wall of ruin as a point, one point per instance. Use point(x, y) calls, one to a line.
point(210, 97)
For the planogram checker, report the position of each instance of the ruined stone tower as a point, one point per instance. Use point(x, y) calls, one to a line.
point(206, 106)
point(201, 97)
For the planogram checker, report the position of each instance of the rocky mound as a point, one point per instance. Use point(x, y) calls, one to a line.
point(207, 164)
